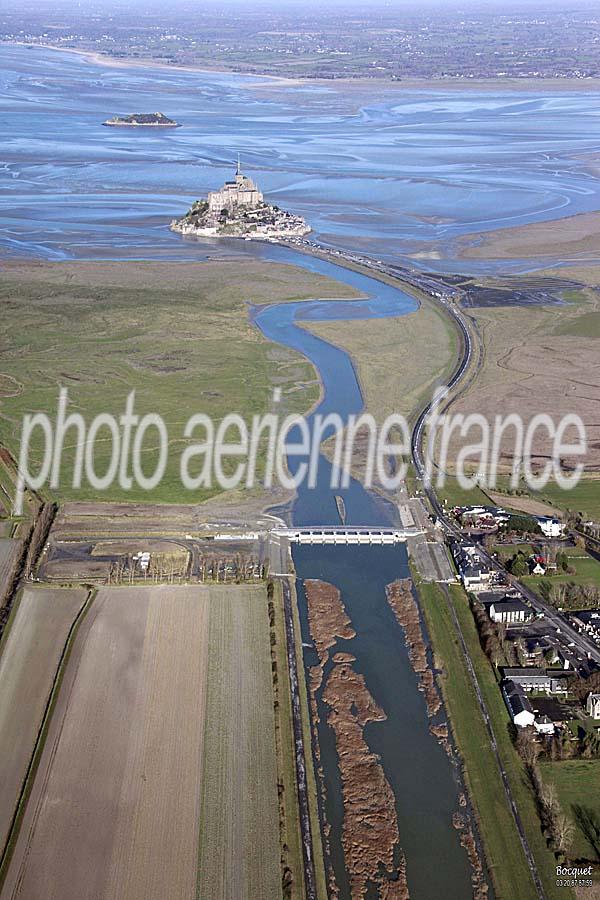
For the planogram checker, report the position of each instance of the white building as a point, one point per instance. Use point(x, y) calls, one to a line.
point(473, 571)
point(592, 705)
point(544, 725)
point(519, 707)
point(509, 612)
point(550, 527)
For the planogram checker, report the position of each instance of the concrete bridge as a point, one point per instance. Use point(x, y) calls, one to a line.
point(331, 534)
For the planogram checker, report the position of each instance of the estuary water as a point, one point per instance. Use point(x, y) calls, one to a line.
point(388, 171)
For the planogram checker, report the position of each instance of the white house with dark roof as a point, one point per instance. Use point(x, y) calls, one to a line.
point(473, 571)
point(519, 707)
point(510, 611)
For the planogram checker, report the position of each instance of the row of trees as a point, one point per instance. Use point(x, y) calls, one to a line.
point(238, 568)
point(570, 595)
point(562, 746)
point(162, 568)
point(39, 535)
point(557, 827)
point(522, 525)
point(492, 636)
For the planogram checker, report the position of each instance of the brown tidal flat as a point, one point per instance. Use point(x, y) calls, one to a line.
point(370, 833)
point(327, 617)
point(370, 827)
point(467, 840)
point(400, 597)
point(572, 236)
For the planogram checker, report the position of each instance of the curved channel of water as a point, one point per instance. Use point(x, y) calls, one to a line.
point(422, 777)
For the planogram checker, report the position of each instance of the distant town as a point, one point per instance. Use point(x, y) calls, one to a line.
point(369, 41)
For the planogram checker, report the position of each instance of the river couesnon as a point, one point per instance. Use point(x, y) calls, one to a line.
point(423, 778)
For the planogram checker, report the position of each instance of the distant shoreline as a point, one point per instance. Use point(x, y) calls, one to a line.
point(127, 62)
point(526, 85)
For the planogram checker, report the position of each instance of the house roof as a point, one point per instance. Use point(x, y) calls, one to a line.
point(516, 699)
point(554, 710)
point(512, 671)
point(510, 606)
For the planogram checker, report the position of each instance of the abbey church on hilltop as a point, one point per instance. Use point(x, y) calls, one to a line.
point(239, 209)
point(241, 192)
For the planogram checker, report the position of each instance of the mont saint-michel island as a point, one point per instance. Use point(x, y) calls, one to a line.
point(143, 120)
point(238, 209)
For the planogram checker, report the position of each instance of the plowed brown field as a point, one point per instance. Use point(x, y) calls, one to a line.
point(158, 776)
point(30, 656)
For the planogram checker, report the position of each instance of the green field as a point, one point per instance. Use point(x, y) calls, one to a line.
point(587, 325)
point(452, 494)
point(587, 568)
point(511, 762)
point(584, 497)
point(587, 572)
point(506, 551)
point(577, 783)
point(177, 335)
point(496, 824)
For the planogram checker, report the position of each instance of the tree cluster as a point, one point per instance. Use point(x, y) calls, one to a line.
point(569, 595)
point(492, 636)
point(557, 827)
point(518, 565)
point(522, 525)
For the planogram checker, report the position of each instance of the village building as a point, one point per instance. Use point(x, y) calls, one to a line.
point(588, 621)
point(524, 714)
point(531, 678)
point(519, 707)
point(473, 571)
point(537, 565)
point(484, 518)
point(550, 527)
point(592, 705)
point(510, 612)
